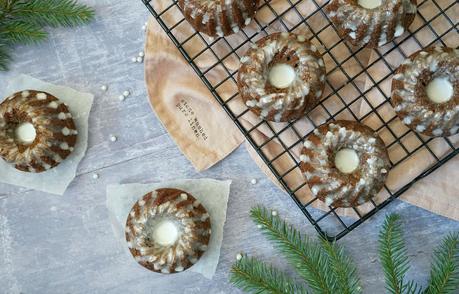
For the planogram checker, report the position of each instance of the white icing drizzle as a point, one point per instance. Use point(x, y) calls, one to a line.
point(254, 72)
point(329, 183)
point(418, 111)
point(192, 235)
point(363, 26)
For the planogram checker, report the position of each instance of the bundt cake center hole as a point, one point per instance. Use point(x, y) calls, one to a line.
point(25, 133)
point(439, 90)
point(369, 4)
point(281, 75)
point(347, 160)
point(164, 232)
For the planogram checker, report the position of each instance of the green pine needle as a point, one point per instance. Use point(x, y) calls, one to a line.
point(394, 257)
point(254, 276)
point(444, 276)
point(54, 12)
point(16, 32)
point(4, 58)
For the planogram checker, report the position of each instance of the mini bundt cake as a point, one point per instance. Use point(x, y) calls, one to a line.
point(218, 17)
point(281, 77)
point(345, 163)
point(168, 230)
point(371, 23)
point(425, 91)
point(37, 131)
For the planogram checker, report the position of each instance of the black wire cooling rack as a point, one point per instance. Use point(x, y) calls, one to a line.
point(358, 88)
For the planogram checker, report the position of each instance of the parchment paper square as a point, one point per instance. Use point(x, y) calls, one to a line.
point(55, 180)
point(211, 193)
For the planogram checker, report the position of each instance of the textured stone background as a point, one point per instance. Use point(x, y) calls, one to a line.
point(54, 244)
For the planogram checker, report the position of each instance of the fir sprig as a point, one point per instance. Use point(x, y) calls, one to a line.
point(327, 269)
point(393, 255)
point(23, 21)
point(300, 252)
point(252, 275)
point(444, 276)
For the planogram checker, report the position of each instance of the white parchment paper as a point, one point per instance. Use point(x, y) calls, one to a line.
point(57, 179)
point(211, 193)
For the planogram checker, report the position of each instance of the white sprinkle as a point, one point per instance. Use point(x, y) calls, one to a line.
point(139, 59)
point(144, 28)
point(141, 54)
point(121, 97)
point(384, 171)
point(253, 181)
point(259, 226)
point(437, 132)
point(301, 38)
point(95, 176)
point(126, 93)
point(53, 104)
point(134, 59)
point(65, 131)
point(25, 94)
point(273, 213)
point(238, 256)
point(113, 138)
point(104, 88)
point(247, 21)
point(61, 116)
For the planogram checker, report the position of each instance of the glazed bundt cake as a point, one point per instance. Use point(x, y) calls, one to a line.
point(168, 230)
point(425, 91)
point(345, 163)
point(37, 131)
point(218, 17)
point(371, 23)
point(281, 77)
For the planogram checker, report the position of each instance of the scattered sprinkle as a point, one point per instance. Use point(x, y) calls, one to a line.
point(133, 59)
point(141, 54)
point(238, 256)
point(104, 88)
point(95, 176)
point(274, 213)
point(113, 138)
point(126, 93)
point(121, 97)
point(139, 59)
point(144, 28)
point(259, 226)
point(253, 181)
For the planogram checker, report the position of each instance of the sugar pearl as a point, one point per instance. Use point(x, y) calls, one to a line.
point(144, 28)
point(259, 226)
point(113, 138)
point(253, 181)
point(121, 97)
point(95, 176)
point(141, 54)
point(134, 59)
point(274, 213)
point(238, 256)
point(104, 87)
point(126, 93)
point(139, 59)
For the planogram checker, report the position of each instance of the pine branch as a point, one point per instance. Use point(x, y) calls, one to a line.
point(393, 256)
point(15, 32)
point(254, 276)
point(344, 270)
point(444, 275)
point(53, 13)
point(305, 256)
